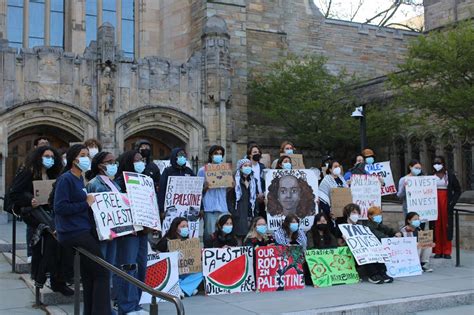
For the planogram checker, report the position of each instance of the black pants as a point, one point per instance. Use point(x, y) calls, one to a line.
point(95, 279)
point(375, 269)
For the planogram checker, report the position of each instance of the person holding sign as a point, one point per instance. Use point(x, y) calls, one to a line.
point(350, 215)
point(320, 236)
point(224, 235)
point(257, 235)
point(214, 200)
point(414, 169)
point(287, 148)
point(449, 192)
point(284, 163)
point(290, 233)
point(333, 179)
point(143, 146)
point(254, 154)
point(75, 228)
point(411, 229)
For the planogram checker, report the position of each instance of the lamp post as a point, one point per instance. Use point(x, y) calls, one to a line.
point(359, 113)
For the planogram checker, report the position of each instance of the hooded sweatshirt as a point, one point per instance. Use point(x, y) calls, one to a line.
point(173, 170)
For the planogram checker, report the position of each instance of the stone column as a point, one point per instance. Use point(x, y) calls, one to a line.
point(26, 24)
point(47, 22)
point(75, 26)
point(3, 20)
point(118, 32)
point(99, 13)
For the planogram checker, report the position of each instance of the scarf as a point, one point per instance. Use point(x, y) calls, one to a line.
point(325, 187)
point(238, 189)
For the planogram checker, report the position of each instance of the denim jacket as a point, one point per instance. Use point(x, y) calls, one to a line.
point(97, 185)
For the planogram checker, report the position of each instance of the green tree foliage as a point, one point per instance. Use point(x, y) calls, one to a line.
point(436, 80)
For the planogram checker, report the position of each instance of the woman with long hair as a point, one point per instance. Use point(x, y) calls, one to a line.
point(224, 235)
point(290, 233)
point(320, 236)
point(258, 233)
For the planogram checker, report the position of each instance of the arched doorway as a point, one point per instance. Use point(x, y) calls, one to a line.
point(162, 142)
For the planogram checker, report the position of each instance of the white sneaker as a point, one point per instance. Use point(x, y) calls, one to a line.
point(195, 292)
point(28, 259)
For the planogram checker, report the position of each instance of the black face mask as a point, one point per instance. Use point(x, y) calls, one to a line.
point(145, 153)
point(321, 227)
point(256, 157)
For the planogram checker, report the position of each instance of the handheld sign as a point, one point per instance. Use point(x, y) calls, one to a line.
point(365, 191)
point(404, 259)
point(340, 197)
point(189, 254)
point(383, 170)
point(112, 215)
point(219, 175)
point(296, 160)
point(183, 199)
point(425, 239)
point(142, 195)
point(422, 196)
point(42, 190)
point(363, 244)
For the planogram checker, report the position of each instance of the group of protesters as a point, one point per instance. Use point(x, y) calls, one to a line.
point(233, 216)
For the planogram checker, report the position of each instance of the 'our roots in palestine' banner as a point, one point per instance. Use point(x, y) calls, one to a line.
point(365, 191)
point(183, 199)
point(331, 266)
point(279, 268)
point(228, 270)
point(422, 196)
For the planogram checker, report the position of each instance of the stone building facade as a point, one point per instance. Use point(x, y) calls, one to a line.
point(175, 72)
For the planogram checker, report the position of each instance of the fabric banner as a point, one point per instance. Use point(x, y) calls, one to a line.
point(291, 191)
point(365, 190)
point(161, 274)
point(279, 268)
point(363, 244)
point(228, 270)
point(404, 259)
point(183, 199)
point(112, 215)
point(219, 175)
point(422, 196)
point(331, 266)
point(189, 254)
point(42, 189)
point(383, 170)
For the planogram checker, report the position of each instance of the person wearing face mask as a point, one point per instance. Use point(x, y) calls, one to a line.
point(258, 234)
point(243, 199)
point(449, 191)
point(359, 159)
point(333, 179)
point(284, 163)
point(320, 236)
point(414, 169)
point(369, 158)
point(286, 148)
point(411, 229)
point(374, 222)
point(214, 200)
point(75, 228)
point(94, 146)
point(290, 233)
point(254, 154)
point(151, 169)
point(224, 234)
point(350, 215)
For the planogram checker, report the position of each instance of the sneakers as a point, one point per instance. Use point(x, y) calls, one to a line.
point(438, 256)
point(425, 268)
point(376, 279)
point(386, 278)
point(447, 256)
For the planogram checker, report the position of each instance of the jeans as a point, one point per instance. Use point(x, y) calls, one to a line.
point(95, 279)
point(109, 251)
point(142, 257)
point(210, 219)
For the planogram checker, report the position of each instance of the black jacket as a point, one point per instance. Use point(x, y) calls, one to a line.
point(153, 171)
point(380, 230)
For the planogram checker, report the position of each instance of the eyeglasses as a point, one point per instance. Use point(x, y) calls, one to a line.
point(110, 163)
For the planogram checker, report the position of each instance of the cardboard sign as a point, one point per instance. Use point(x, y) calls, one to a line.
point(331, 266)
point(228, 270)
point(383, 170)
point(161, 274)
point(363, 244)
point(425, 239)
point(42, 190)
point(219, 175)
point(296, 160)
point(340, 197)
point(189, 255)
point(266, 160)
point(279, 268)
point(112, 215)
point(142, 195)
point(291, 191)
point(404, 259)
point(183, 199)
point(365, 190)
point(422, 196)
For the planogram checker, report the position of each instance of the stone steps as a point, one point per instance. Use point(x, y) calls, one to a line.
point(21, 263)
point(7, 246)
point(48, 296)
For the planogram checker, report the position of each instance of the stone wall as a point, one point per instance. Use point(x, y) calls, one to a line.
point(439, 13)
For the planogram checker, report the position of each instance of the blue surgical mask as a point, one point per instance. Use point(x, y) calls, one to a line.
point(289, 151)
point(217, 159)
point(415, 171)
point(139, 166)
point(48, 162)
point(286, 166)
point(416, 223)
point(370, 160)
point(247, 170)
point(181, 160)
point(261, 229)
point(377, 218)
point(184, 232)
point(294, 227)
point(227, 229)
point(111, 170)
point(84, 163)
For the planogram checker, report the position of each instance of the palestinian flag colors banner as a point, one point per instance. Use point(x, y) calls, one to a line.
point(279, 268)
point(331, 266)
point(132, 178)
point(228, 270)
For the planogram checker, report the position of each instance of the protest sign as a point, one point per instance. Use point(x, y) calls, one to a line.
point(219, 175)
point(331, 266)
point(279, 268)
point(365, 190)
point(291, 191)
point(183, 199)
point(161, 274)
point(363, 244)
point(142, 196)
point(42, 190)
point(228, 270)
point(296, 160)
point(266, 160)
point(112, 215)
point(340, 197)
point(383, 170)
point(422, 196)
point(189, 254)
point(404, 259)
point(425, 239)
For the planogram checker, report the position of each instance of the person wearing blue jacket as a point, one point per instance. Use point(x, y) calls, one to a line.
point(75, 228)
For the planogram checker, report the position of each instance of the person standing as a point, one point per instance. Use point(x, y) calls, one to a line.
point(143, 146)
point(333, 179)
point(287, 148)
point(414, 169)
point(94, 146)
point(284, 163)
point(254, 154)
point(449, 192)
point(359, 159)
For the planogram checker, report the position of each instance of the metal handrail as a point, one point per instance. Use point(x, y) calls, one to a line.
point(145, 288)
point(458, 245)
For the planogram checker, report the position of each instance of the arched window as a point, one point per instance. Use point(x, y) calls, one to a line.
point(415, 148)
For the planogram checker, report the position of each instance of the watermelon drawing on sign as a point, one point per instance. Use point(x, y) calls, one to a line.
point(157, 275)
point(230, 275)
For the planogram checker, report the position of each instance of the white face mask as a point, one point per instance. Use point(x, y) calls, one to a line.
point(336, 171)
point(93, 152)
point(438, 167)
point(354, 217)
